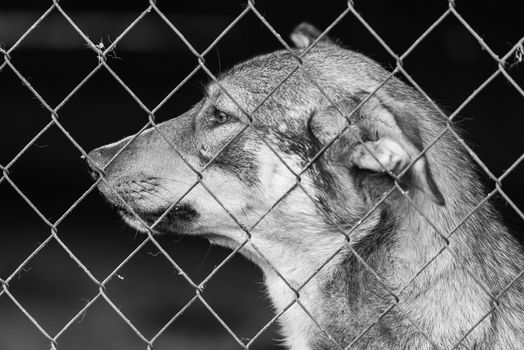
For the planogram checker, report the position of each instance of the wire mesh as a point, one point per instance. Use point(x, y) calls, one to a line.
point(200, 61)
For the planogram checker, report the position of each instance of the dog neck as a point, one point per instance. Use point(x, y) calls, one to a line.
point(346, 296)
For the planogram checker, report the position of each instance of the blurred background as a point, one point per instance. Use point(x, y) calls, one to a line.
point(152, 60)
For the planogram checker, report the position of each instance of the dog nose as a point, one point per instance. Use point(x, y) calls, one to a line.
point(100, 157)
point(95, 162)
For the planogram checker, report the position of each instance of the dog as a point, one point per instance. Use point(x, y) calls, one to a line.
point(367, 237)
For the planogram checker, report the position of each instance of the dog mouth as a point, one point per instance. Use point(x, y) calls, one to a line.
point(170, 219)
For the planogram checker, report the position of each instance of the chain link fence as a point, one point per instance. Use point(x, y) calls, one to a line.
point(512, 56)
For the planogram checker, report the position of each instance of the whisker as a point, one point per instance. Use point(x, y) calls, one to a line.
point(152, 193)
point(173, 180)
point(254, 211)
point(167, 190)
point(204, 259)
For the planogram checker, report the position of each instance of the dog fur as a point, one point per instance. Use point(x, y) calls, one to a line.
point(438, 304)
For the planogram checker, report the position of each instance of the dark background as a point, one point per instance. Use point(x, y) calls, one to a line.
point(449, 65)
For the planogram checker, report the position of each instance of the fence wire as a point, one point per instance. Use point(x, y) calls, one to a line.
point(200, 65)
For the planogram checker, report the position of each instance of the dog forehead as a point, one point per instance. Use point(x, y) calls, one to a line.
point(226, 92)
point(261, 74)
point(265, 65)
point(272, 85)
point(268, 74)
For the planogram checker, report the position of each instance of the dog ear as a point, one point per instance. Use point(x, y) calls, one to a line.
point(305, 34)
point(389, 132)
point(395, 142)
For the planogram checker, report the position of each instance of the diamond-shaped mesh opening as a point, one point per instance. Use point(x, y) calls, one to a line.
point(202, 29)
point(101, 112)
point(418, 17)
point(51, 277)
point(16, 23)
point(54, 74)
point(100, 245)
point(20, 102)
point(239, 275)
point(360, 38)
point(186, 331)
point(449, 63)
point(301, 12)
point(511, 184)
point(23, 231)
point(50, 151)
point(87, 329)
point(16, 330)
point(148, 299)
point(101, 20)
point(494, 115)
point(223, 50)
point(135, 58)
point(482, 17)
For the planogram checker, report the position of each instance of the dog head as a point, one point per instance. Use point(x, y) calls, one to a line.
point(250, 159)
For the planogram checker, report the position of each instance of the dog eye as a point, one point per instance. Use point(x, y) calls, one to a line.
point(220, 118)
